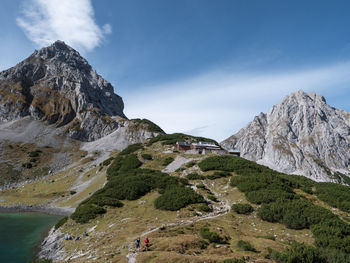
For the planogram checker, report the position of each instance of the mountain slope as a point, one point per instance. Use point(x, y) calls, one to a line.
point(301, 135)
point(145, 197)
point(57, 85)
point(55, 110)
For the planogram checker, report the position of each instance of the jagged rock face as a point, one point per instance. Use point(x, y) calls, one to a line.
point(57, 85)
point(301, 135)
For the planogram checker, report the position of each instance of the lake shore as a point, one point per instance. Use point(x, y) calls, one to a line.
point(59, 211)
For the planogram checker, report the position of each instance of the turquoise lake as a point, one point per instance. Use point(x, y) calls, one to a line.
point(21, 234)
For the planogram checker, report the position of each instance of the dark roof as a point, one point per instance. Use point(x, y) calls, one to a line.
point(183, 143)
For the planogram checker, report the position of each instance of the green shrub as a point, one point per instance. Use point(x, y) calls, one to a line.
point(72, 192)
point(268, 196)
point(295, 214)
point(27, 165)
point(147, 156)
point(167, 161)
point(101, 200)
point(61, 222)
point(246, 246)
point(171, 139)
point(195, 176)
point(180, 169)
point(34, 153)
point(212, 237)
point(335, 195)
point(332, 233)
point(108, 161)
point(242, 208)
point(86, 212)
point(217, 175)
point(212, 198)
point(130, 162)
point(126, 181)
point(131, 149)
point(190, 164)
point(150, 126)
point(299, 252)
point(279, 203)
point(177, 197)
point(204, 208)
point(201, 186)
point(235, 260)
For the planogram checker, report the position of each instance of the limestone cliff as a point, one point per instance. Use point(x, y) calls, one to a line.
point(301, 135)
point(58, 86)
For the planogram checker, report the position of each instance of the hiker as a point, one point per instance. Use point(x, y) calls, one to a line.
point(138, 243)
point(146, 243)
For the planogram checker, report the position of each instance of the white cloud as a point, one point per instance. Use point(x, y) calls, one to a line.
point(45, 21)
point(218, 104)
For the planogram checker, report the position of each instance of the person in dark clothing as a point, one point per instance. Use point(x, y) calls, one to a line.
point(138, 243)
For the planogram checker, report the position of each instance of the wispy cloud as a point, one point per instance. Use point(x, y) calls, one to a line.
point(45, 21)
point(221, 103)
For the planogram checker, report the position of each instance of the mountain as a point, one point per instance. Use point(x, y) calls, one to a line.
point(54, 108)
point(301, 135)
point(57, 85)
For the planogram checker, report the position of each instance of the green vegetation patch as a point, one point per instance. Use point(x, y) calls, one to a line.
point(300, 252)
point(242, 208)
point(171, 139)
point(204, 208)
point(108, 161)
point(246, 246)
point(34, 153)
point(61, 222)
point(167, 161)
point(127, 181)
point(340, 177)
point(212, 237)
point(335, 195)
point(279, 202)
point(150, 126)
point(195, 176)
point(235, 260)
point(190, 164)
point(131, 149)
point(147, 156)
point(27, 165)
point(86, 212)
point(212, 198)
point(177, 197)
point(218, 174)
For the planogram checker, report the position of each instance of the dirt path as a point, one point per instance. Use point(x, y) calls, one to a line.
point(219, 209)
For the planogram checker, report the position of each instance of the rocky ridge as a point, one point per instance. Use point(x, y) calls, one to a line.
point(58, 86)
point(301, 135)
point(55, 103)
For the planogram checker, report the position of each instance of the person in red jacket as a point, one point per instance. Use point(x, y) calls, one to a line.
point(146, 243)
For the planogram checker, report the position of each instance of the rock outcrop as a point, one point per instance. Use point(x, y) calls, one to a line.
point(58, 86)
point(301, 135)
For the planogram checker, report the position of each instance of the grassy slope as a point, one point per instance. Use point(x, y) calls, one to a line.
point(56, 190)
point(111, 235)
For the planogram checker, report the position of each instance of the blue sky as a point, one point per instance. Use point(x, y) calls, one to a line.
point(197, 66)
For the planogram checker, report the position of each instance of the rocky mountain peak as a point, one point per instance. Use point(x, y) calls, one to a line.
point(57, 85)
point(301, 135)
